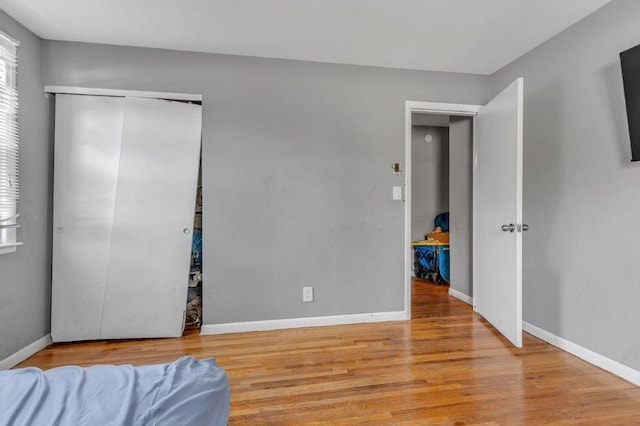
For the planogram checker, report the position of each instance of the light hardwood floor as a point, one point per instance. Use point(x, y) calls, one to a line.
point(446, 366)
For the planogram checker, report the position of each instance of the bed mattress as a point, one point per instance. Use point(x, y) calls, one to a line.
point(185, 392)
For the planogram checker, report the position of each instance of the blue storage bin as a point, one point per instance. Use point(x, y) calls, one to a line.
point(426, 257)
point(443, 263)
point(431, 261)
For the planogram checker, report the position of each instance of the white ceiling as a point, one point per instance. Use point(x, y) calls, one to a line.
point(470, 36)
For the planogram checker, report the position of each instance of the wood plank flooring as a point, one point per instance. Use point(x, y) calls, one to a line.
point(444, 367)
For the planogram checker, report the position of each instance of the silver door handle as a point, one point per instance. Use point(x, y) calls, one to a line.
point(510, 227)
point(525, 227)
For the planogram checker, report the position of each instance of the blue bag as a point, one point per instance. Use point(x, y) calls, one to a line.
point(442, 220)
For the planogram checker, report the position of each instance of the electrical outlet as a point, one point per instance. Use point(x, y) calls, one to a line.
point(307, 294)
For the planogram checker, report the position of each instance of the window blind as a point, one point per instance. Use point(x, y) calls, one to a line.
point(9, 148)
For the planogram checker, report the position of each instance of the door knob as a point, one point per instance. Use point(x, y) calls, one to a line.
point(525, 227)
point(510, 227)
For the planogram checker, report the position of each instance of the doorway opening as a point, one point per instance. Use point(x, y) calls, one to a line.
point(439, 197)
point(430, 199)
point(493, 158)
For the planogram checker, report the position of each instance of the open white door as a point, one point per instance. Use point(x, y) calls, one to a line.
point(498, 201)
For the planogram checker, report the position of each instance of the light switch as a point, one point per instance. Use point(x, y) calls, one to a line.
point(397, 193)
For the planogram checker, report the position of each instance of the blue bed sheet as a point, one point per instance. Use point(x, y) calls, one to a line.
point(185, 392)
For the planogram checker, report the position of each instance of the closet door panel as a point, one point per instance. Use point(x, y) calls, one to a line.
point(149, 259)
point(87, 150)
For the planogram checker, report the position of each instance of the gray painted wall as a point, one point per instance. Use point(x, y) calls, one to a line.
point(461, 203)
point(296, 176)
point(429, 178)
point(581, 193)
point(25, 276)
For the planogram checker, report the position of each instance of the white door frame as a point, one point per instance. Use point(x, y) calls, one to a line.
point(439, 109)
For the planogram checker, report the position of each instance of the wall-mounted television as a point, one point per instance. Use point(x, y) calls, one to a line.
point(630, 61)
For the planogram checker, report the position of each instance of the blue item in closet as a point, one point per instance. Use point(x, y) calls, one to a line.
point(196, 248)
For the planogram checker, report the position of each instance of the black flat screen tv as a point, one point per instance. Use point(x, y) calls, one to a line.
point(630, 61)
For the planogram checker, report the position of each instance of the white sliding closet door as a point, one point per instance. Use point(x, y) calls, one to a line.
point(124, 195)
point(87, 136)
point(147, 276)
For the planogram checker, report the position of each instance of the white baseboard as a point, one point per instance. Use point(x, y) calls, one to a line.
point(240, 327)
point(25, 352)
point(614, 367)
point(461, 296)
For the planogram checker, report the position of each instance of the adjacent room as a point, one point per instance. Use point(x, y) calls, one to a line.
point(320, 212)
